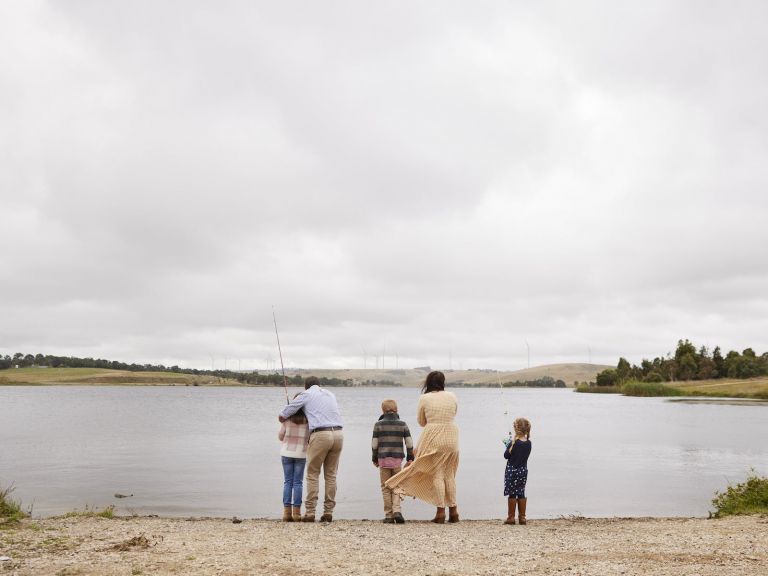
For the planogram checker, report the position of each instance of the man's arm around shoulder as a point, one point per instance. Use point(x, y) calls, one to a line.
point(295, 405)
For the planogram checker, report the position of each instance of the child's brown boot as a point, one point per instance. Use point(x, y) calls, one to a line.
point(287, 514)
point(296, 514)
point(521, 505)
point(511, 504)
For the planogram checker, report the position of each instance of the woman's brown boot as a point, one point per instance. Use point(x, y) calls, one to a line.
point(453, 514)
point(511, 504)
point(439, 517)
point(521, 504)
point(287, 514)
point(296, 514)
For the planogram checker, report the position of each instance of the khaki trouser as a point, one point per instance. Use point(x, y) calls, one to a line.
point(391, 500)
point(323, 451)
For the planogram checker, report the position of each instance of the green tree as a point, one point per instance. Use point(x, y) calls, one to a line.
point(607, 378)
point(745, 366)
point(653, 377)
point(688, 367)
point(717, 358)
point(707, 369)
point(684, 347)
point(623, 370)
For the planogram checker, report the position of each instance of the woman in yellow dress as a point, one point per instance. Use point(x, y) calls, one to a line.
point(432, 475)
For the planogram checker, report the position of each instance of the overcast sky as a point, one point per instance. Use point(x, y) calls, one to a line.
point(443, 181)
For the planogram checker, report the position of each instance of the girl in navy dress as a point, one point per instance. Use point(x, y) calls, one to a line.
point(516, 472)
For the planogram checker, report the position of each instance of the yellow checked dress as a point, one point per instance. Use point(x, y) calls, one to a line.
point(432, 476)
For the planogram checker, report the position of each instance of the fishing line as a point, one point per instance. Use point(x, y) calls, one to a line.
point(285, 380)
point(506, 410)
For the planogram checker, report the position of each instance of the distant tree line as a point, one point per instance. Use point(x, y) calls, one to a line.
point(252, 378)
point(688, 363)
point(387, 383)
point(275, 379)
point(28, 360)
point(544, 382)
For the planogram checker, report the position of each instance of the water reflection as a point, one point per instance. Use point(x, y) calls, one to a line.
point(214, 451)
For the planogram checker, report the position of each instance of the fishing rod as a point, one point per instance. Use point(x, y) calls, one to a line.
point(506, 409)
point(285, 380)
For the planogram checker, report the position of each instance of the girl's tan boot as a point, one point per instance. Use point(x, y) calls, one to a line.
point(521, 505)
point(296, 514)
point(287, 514)
point(511, 504)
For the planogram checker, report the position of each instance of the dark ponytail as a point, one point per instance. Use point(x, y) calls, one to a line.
point(435, 382)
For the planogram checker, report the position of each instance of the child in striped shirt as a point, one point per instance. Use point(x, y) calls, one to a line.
point(389, 435)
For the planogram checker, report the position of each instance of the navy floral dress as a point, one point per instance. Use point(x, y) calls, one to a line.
point(516, 472)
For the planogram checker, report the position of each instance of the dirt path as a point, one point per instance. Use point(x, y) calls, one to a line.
point(131, 546)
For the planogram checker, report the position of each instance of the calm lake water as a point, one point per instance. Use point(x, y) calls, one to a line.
point(214, 451)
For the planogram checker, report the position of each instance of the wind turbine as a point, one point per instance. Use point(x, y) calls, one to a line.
point(529, 353)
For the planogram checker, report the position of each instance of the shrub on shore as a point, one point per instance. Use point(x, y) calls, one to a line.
point(108, 512)
point(648, 389)
point(10, 509)
point(749, 497)
point(598, 389)
point(633, 388)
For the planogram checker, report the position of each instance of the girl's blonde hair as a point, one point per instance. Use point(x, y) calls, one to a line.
point(522, 427)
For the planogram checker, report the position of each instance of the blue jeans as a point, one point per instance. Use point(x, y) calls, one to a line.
point(293, 472)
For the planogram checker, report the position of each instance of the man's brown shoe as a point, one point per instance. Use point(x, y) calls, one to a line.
point(326, 518)
point(308, 518)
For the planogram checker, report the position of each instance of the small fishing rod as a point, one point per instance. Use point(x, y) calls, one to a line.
point(506, 409)
point(285, 380)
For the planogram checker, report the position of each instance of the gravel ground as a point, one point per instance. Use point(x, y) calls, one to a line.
point(130, 546)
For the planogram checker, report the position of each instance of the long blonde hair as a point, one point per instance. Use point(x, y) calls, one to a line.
point(522, 428)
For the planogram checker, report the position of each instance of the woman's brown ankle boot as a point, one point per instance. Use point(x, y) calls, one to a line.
point(511, 504)
point(439, 517)
point(453, 514)
point(521, 505)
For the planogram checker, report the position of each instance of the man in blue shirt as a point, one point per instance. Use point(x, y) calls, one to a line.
point(326, 440)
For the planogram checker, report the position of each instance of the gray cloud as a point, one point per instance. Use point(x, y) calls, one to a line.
point(434, 179)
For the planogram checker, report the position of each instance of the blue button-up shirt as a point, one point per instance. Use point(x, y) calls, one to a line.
point(319, 406)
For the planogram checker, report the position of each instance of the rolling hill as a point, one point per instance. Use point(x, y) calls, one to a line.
point(569, 373)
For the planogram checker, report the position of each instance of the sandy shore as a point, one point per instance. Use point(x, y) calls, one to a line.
point(131, 546)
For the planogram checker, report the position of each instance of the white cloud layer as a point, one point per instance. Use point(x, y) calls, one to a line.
point(428, 179)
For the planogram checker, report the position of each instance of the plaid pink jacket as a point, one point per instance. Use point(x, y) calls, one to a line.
point(293, 439)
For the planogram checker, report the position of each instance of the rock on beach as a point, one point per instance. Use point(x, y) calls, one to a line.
point(575, 546)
